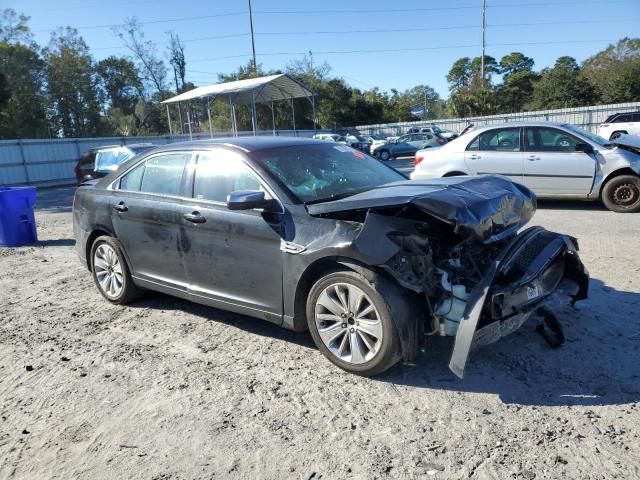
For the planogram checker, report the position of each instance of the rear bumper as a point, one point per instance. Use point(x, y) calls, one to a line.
point(536, 268)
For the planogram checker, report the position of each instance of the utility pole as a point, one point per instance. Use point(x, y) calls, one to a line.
point(484, 26)
point(253, 43)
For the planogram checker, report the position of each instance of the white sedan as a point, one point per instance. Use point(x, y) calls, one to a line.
point(552, 159)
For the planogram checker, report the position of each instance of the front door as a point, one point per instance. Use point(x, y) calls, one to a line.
point(496, 152)
point(232, 257)
point(146, 211)
point(552, 165)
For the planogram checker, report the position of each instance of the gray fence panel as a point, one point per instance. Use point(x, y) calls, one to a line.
point(585, 117)
point(48, 162)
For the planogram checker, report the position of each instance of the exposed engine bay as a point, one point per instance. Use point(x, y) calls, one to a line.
point(460, 249)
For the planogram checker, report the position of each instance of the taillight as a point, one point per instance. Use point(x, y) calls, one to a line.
point(417, 159)
point(440, 141)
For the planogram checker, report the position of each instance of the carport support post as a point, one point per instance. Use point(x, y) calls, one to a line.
point(313, 107)
point(189, 123)
point(169, 120)
point(231, 116)
point(209, 115)
point(273, 119)
point(293, 114)
point(254, 116)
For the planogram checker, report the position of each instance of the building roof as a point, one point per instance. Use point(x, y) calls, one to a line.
point(243, 92)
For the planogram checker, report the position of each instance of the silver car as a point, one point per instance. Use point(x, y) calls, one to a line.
point(555, 160)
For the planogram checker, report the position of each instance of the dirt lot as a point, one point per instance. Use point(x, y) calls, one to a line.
point(165, 389)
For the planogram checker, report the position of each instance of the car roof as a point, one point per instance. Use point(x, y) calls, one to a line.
point(247, 144)
point(478, 128)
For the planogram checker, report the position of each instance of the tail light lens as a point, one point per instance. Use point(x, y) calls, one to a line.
point(440, 141)
point(418, 158)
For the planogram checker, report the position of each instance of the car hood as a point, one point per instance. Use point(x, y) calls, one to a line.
point(485, 209)
point(625, 140)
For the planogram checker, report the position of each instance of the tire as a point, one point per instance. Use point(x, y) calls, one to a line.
point(385, 155)
point(622, 194)
point(111, 273)
point(615, 135)
point(563, 142)
point(373, 333)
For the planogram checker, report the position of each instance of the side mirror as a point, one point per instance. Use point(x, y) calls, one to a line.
point(246, 200)
point(584, 147)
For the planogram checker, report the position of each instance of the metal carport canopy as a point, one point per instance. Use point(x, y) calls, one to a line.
point(245, 92)
point(248, 92)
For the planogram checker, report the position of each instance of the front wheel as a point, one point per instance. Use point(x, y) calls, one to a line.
point(351, 324)
point(384, 155)
point(622, 194)
point(111, 273)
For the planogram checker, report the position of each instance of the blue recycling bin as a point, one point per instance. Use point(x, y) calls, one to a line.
point(17, 223)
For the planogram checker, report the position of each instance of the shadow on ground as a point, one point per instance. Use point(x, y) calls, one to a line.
point(547, 204)
point(597, 365)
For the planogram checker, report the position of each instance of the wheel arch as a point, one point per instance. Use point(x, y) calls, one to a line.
point(455, 173)
point(406, 308)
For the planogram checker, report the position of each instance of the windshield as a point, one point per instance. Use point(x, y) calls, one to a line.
point(318, 173)
point(436, 129)
point(594, 138)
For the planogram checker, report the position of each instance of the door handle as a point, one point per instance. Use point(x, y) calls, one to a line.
point(121, 207)
point(194, 217)
point(533, 158)
point(475, 157)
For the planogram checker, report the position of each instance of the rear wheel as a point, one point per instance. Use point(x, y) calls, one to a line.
point(622, 194)
point(351, 324)
point(111, 273)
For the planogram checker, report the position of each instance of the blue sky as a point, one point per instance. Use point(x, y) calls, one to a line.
point(370, 42)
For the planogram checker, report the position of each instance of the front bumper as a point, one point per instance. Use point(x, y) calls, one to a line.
point(536, 267)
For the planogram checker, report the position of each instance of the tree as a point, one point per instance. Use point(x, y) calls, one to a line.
point(152, 69)
point(562, 86)
point(14, 28)
point(120, 82)
point(615, 71)
point(74, 105)
point(459, 76)
point(177, 61)
point(517, 85)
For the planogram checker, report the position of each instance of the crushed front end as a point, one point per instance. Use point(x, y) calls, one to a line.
point(458, 244)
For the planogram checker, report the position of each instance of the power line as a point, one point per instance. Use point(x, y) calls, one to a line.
point(387, 30)
point(397, 50)
point(368, 11)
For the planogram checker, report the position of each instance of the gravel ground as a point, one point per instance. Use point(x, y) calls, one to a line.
point(166, 389)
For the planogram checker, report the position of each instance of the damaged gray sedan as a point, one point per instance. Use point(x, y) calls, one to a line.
point(317, 236)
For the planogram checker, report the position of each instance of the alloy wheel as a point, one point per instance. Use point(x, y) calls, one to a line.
point(108, 270)
point(348, 323)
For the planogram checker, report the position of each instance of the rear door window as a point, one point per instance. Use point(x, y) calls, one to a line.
point(500, 140)
point(163, 174)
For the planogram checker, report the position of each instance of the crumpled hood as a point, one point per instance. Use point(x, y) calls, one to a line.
point(626, 140)
point(485, 209)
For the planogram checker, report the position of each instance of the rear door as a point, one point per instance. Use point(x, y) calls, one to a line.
point(496, 152)
point(232, 257)
point(552, 165)
point(147, 211)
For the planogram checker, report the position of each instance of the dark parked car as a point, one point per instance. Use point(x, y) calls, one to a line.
point(100, 161)
point(312, 235)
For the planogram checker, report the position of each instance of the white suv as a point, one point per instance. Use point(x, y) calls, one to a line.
point(620, 123)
